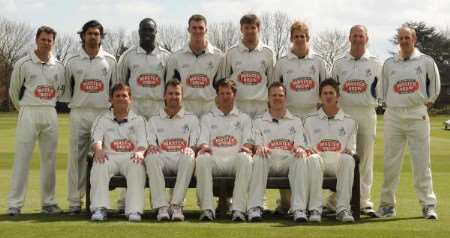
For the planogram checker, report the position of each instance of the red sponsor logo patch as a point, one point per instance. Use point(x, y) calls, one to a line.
point(92, 86)
point(224, 141)
point(197, 81)
point(249, 77)
point(149, 80)
point(173, 145)
point(45, 92)
point(355, 86)
point(302, 84)
point(406, 86)
point(281, 144)
point(123, 145)
point(329, 145)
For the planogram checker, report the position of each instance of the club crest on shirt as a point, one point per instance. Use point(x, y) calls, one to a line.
point(368, 73)
point(419, 71)
point(266, 131)
point(263, 63)
point(292, 130)
point(312, 70)
point(104, 71)
point(341, 131)
point(185, 128)
point(237, 125)
point(210, 65)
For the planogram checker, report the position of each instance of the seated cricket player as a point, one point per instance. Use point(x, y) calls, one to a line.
point(119, 143)
point(331, 138)
point(279, 152)
point(225, 148)
point(173, 135)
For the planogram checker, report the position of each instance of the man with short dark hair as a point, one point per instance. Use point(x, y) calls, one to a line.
point(37, 81)
point(89, 74)
point(197, 66)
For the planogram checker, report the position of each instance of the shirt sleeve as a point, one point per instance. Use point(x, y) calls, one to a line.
point(277, 75)
point(384, 81)
point(122, 69)
point(152, 138)
point(270, 67)
point(97, 130)
point(351, 144)
point(68, 90)
point(194, 132)
point(16, 83)
point(204, 130)
point(171, 67)
point(141, 132)
point(323, 72)
point(61, 83)
point(247, 137)
point(435, 81)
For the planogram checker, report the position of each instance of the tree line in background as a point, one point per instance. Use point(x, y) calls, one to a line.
point(16, 38)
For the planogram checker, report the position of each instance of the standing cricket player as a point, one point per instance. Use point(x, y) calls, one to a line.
point(280, 151)
point(88, 74)
point(301, 72)
point(143, 67)
point(198, 65)
point(331, 138)
point(250, 64)
point(36, 82)
point(410, 85)
point(225, 149)
point(119, 142)
point(173, 136)
point(358, 74)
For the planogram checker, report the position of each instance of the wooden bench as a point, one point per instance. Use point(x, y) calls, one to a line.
point(224, 185)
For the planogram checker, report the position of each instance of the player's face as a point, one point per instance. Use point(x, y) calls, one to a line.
point(358, 37)
point(250, 32)
point(406, 40)
point(277, 98)
point(299, 39)
point(173, 96)
point(45, 42)
point(92, 37)
point(121, 100)
point(147, 31)
point(225, 97)
point(197, 30)
point(329, 96)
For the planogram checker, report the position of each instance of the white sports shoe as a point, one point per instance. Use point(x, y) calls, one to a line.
point(254, 214)
point(345, 216)
point(238, 216)
point(163, 214)
point(134, 217)
point(99, 214)
point(207, 215)
point(177, 213)
point(429, 212)
point(300, 216)
point(315, 216)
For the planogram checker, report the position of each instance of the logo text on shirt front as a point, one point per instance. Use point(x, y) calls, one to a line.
point(92, 86)
point(302, 84)
point(197, 81)
point(329, 145)
point(149, 80)
point(45, 92)
point(406, 86)
point(122, 145)
point(249, 77)
point(355, 86)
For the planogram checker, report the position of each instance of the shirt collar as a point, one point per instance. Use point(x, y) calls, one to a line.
point(51, 60)
point(416, 54)
point(243, 48)
point(268, 117)
point(101, 53)
point(365, 56)
point(217, 112)
point(339, 115)
point(208, 50)
point(141, 50)
point(163, 114)
point(131, 115)
point(291, 55)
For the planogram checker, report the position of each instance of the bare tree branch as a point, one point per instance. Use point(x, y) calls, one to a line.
point(223, 35)
point(330, 45)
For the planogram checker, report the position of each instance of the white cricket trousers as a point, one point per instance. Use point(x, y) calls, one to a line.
point(366, 118)
point(198, 107)
point(146, 107)
point(252, 108)
point(337, 165)
point(282, 163)
point(81, 121)
point(34, 123)
point(238, 165)
point(169, 164)
point(407, 126)
point(134, 173)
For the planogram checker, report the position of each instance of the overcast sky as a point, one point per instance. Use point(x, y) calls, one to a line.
point(381, 17)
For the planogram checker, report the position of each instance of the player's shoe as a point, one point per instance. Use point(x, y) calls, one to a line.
point(254, 214)
point(177, 213)
point(368, 211)
point(386, 211)
point(134, 217)
point(315, 216)
point(74, 210)
point(14, 211)
point(300, 216)
point(429, 212)
point(51, 209)
point(207, 215)
point(99, 214)
point(163, 214)
point(345, 216)
point(238, 216)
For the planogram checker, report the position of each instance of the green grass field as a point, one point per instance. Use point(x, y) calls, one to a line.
point(408, 222)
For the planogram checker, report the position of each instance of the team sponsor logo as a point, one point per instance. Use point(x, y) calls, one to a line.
point(122, 145)
point(173, 145)
point(45, 92)
point(406, 86)
point(329, 145)
point(249, 77)
point(224, 141)
point(355, 86)
point(302, 84)
point(197, 81)
point(281, 144)
point(92, 86)
point(149, 80)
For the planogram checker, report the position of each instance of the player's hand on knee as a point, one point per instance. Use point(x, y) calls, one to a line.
point(347, 151)
point(245, 150)
point(263, 151)
point(152, 149)
point(310, 151)
point(100, 156)
point(299, 153)
point(188, 151)
point(138, 157)
point(204, 149)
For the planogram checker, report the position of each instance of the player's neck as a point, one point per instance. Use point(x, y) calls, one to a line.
point(331, 110)
point(300, 51)
point(91, 51)
point(250, 44)
point(172, 111)
point(147, 46)
point(198, 46)
point(406, 54)
point(226, 109)
point(277, 113)
point(43, 56)
point(357, 52)
point(120, 113)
